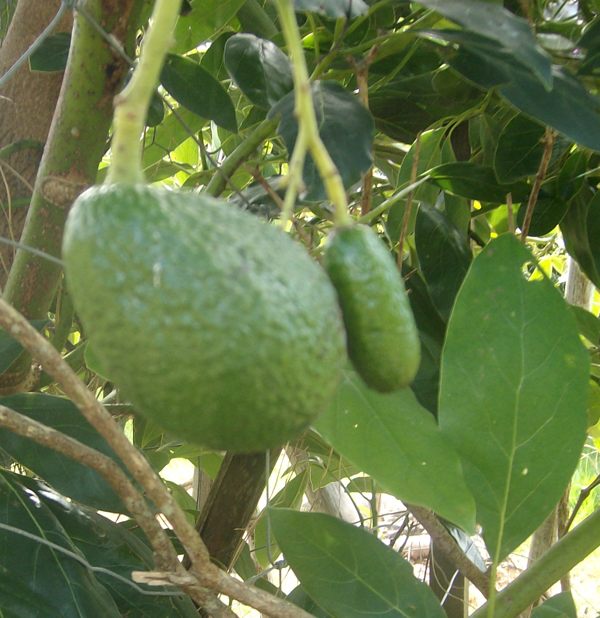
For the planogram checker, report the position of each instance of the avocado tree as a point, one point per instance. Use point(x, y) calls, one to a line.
point(340, 223)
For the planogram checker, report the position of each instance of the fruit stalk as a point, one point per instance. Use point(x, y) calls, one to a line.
point(131, 105)
point(307, 119)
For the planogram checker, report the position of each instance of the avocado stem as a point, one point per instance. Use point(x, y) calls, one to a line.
point(132, 103)
point(308, 127)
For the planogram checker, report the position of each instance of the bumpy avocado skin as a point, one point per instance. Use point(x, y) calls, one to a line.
point(216, 325)
point(383, 341)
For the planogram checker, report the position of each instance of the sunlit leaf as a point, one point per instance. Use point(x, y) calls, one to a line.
point(513, 393)
point(347, 571)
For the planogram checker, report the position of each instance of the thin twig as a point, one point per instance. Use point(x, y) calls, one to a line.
point(447, 546)
point(206, 573)
point(583, 496)
point(409, 200)
point(548, 141)
point(106, 467)
point(362, 79)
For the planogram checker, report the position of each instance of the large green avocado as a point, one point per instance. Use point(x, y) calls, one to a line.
point(216, 325)
point(383, 341)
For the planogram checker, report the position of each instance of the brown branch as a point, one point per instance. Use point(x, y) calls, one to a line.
point(446, 545)
point(165, 554)
point(548, 141)
point(106, 467)
point(206, 573)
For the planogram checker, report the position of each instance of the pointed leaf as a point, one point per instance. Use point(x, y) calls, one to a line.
point(259, 68)
point(505, 31)
point(336, 110)
point(67, 476)
point(10, 349)
point(52, 54)
point(396, 441)
point(333, 8)
point(548, 213)
point(519, 149)
point(206, 19)
point(558, 606)
point(567, 107)
point(513, 393)
point(476, 182)
point(117, 549)
point(194, 87)
point(444, 256)
point(37, 580)
point(581, 228)
point(347, 571)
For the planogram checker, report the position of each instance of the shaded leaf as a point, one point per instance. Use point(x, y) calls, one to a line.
point(10, 349)
point(476, 182)
point(203, 22)
point(412, 103)
point(580, 228)
point(519, 149)
point(513, 393)
point(558, 606)
point(336, 110)
point(444, 256)
point(588, 324)
point(64, 474)
point(503, 31)
point(397, 442)
point(567, 107)
point(333, 8)
point(52, 54)
point(299, 597)
point(259, 68)
point(194, 87)
point(347, 571)
point(548, 213)
point(37, 580)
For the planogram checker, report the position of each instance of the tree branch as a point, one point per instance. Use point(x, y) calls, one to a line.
point(207, 574)
point(448, 546)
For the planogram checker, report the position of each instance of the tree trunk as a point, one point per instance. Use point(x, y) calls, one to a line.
point(27, 104)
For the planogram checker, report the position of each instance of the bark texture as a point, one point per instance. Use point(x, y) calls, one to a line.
point(27, 104)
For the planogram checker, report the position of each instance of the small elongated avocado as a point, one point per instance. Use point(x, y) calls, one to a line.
point(383, 341)
point(215, 324)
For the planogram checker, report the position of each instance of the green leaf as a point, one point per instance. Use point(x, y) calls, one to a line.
point(444, 256)
point(397, 442)
point(476, 182)
point(37, 580)
point(259, 68)
point(513, 393)
point(52, 54)
point(333, 8)
point(501, 30)
point(519, 150)
point(10, 349)
point(64, 474)
point(548, 213)
point(299, 597)
point(290, 496)
point(567, 107)
point(195, 88)
point(118, 549)
point(347, 571)
point(206, 19)
point(581, 229)
point(336, 110)
point(558, 606)
point(588, 324)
